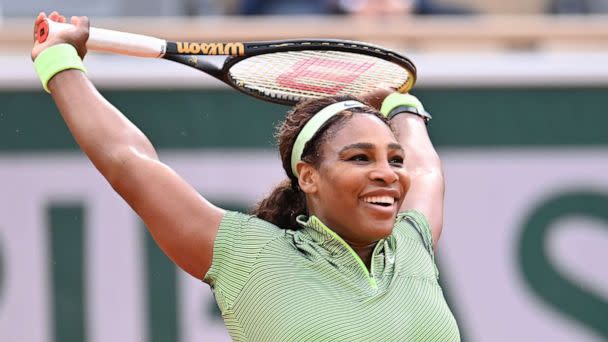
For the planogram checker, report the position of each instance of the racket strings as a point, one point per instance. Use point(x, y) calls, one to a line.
point(307, 74)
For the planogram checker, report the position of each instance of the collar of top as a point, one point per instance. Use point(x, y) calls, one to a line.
point(319, 232)
point(324, 236)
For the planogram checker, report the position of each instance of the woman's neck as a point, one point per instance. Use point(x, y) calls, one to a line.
point(364, 252)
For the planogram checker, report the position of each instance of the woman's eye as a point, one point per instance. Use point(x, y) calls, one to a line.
point(397, 161)
point(359, 158)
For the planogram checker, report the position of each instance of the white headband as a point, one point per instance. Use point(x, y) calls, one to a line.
point(313, 125)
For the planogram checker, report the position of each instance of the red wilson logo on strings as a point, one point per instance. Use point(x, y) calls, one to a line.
point(322, 75)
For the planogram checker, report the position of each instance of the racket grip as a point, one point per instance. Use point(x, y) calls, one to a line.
point(103, 40)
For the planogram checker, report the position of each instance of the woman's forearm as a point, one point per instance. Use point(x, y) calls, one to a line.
point(105, 135)
point(422, 162)
point(413, 136)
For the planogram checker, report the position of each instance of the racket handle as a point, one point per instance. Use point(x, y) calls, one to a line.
point(103, 40)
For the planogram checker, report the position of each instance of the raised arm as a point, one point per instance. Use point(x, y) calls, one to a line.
point(181, 221)
point(426, 193)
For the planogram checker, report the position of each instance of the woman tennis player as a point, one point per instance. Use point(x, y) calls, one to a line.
point(342, 250)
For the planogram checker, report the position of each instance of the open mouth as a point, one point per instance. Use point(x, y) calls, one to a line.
point(383, 201)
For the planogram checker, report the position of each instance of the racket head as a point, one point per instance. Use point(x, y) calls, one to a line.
point(287, 72)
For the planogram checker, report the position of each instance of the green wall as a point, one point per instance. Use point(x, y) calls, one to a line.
point(222, 118)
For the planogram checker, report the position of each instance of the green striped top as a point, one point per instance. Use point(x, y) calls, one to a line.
point(274, 284)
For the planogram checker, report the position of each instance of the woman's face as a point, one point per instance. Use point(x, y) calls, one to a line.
point(361, 181)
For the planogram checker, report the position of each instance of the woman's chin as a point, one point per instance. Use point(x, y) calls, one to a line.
point(380, 229)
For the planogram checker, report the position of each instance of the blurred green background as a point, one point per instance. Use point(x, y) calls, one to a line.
point(517, 91)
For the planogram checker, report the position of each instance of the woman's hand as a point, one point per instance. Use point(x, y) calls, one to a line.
point(76, 36)
point(375, 97)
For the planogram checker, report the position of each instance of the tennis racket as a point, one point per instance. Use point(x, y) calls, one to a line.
point(284, 72)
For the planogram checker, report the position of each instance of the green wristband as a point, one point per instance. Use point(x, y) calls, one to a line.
point(397, 103)
point(55, 59)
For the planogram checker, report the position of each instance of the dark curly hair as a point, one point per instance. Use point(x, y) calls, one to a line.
point(287, 200)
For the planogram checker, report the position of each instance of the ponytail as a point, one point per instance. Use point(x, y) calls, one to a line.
point(282, 206)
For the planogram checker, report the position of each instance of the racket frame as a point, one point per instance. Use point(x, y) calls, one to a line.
point(146, 46)
point(257, 48)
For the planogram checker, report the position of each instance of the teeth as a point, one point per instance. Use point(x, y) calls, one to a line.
point(379, 199)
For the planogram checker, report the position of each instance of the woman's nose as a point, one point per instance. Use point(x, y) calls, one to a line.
point(383, 171)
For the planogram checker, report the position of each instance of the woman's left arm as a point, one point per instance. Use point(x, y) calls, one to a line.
point(422, 162)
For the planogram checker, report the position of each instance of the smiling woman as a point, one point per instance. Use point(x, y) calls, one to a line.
point(342, 250)
point(337, 252)
point(329, 168)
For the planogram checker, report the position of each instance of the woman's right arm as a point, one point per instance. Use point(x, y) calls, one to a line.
point(181, 221)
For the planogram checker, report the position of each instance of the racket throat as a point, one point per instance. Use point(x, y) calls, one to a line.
point(205, 64)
